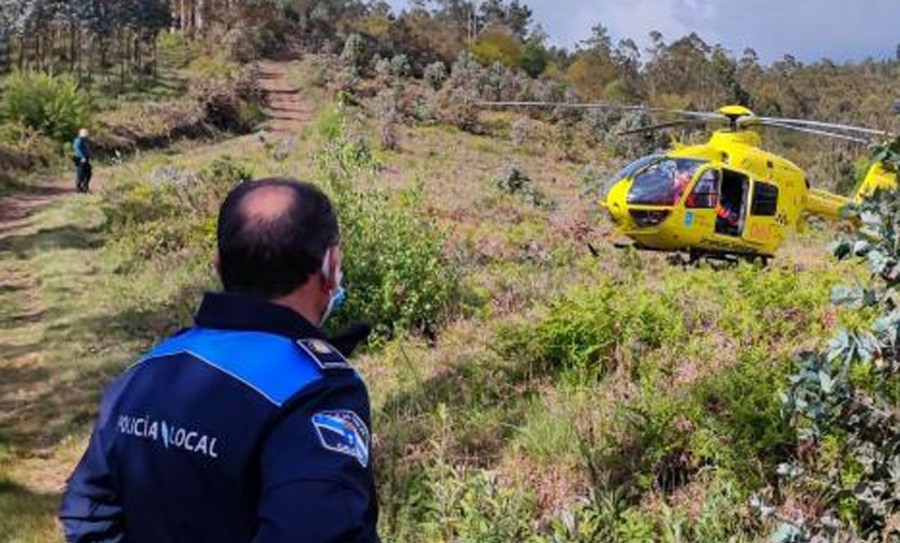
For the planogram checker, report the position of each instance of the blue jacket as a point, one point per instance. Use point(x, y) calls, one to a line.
point(81, 149)
point(248, 427)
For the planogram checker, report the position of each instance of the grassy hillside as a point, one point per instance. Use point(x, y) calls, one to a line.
point(535, 393)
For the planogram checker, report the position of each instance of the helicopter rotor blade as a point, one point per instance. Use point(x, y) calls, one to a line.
point(608, 106)
point(660, 126)
point(706, 116)
point(818, 124)
point(814, 131)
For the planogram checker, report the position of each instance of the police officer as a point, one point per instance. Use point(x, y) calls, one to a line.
point(250, 426)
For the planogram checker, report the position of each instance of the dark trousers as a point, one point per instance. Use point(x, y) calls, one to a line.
point(83, 176)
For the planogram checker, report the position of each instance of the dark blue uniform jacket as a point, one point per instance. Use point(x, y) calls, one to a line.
point(246, 428)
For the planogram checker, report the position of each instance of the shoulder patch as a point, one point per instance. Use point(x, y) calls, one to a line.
point(342, 431)
point(326, 356)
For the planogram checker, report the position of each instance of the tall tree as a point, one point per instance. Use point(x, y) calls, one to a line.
point(516, 17)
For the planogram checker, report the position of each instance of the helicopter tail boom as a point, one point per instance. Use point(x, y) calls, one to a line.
point(878, 178)
point(825, 204)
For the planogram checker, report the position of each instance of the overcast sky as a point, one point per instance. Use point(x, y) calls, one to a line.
point(808, 29)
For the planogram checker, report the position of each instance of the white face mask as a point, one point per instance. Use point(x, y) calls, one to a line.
point(339, 295)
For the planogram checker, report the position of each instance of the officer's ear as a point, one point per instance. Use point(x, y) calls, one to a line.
point(331, 269)
point(217, 262)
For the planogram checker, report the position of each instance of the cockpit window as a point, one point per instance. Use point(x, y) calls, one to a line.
point(663, 182)
point(629, 170)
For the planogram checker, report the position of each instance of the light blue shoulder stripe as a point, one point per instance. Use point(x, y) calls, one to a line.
point(271, 365)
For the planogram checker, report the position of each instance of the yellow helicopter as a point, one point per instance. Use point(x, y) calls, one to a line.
point(728, 197)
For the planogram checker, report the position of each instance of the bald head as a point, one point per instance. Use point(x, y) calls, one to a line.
point(267, 203)
point(273, 236)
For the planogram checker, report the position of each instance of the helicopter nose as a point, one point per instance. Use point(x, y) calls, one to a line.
point(617, 213)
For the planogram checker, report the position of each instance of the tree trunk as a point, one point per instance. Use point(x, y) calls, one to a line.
point(22, 46)
point(73, 45)
point(4, 51)
point(185, 22)
point(38, 54)
point(200, 17)
point(123, 59)
point(136, 60)
point(155, 53)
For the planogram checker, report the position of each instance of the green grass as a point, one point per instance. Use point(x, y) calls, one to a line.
point(573, 396)
point(56, 356)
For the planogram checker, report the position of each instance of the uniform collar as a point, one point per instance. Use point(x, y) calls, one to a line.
point(248, 313)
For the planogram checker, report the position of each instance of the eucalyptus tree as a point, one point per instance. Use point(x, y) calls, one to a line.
point(57, 35)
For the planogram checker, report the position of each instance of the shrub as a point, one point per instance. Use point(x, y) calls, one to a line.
point(456, 106)
point(565, 142)
point(401, 66)
point(519, 133)
point(435, 75)
point(456, 101)
point(243, 43)
point(495, 45)
point(174, 210)
point(213, 67)
point(515, 182)
point(582, 330)
point(345, 81)
point(53, 105)
point(384, 72)
point(233, 102)
point(23, 148)
point(176, 49)
point(318, 70)
point(535, 59)
point(248, 42)
point(687, 405)
point(843, 401)
point(356, 52)
point(503, 84)
point(394, 268)
point(388, 116)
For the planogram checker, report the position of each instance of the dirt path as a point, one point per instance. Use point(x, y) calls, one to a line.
point(287, 112)
point(48, 240)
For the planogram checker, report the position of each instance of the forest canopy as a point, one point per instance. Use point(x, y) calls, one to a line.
point(120, 37)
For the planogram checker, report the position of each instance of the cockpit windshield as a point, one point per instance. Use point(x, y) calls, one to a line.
point(629, 170)
point(663, 182)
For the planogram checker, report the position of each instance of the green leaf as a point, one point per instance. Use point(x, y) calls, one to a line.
point(841, 250)
point(845, 296)
point(787, 533)
point(827, 382)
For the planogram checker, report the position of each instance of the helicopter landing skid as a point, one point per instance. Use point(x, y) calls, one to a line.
point(718, 260)
point(715, 261)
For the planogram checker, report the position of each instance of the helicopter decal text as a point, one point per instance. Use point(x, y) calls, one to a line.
point(762, 231)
